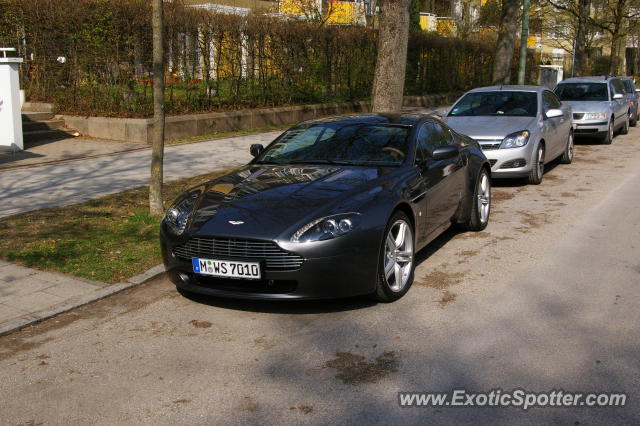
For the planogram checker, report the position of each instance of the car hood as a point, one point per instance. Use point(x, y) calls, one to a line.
point(265, 201)
point(489, 126)
point(587, 106)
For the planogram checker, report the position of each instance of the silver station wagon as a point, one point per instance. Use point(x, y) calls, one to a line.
point(600, 107)
point(520, 128)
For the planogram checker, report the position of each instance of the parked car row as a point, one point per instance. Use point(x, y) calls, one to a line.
point(338, 207)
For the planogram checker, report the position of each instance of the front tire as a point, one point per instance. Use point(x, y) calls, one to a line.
point(480, 203)
point(537, 168)
point(396, 265)
point(567, 155)
point(608, 138)
point(625, 127)
point(634, 120)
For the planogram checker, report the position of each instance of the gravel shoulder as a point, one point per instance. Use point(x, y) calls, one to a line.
point(545, 298)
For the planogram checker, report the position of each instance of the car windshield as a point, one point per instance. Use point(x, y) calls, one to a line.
point(502, 102)
point(582, 92)
point(358, 144)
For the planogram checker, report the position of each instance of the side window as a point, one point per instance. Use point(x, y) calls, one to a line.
point(431, 136)
point(616, 87)
point(549, 101)
point(555, 102)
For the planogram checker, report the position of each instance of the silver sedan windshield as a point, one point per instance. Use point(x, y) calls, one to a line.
point(500, 102)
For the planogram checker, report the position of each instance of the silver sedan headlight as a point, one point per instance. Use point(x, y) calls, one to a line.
point(594, 116)
point(515, 140)
point(326, 228)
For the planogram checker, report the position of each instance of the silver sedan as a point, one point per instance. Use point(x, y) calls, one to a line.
point(520, 128)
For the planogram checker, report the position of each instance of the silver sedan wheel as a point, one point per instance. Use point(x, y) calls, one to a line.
point(570, 147)
point(484, 198)
point(398, 258)
point(540, 164)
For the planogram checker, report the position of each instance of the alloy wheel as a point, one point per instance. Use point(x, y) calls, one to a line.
point(570, 147)
point(484, 198)
point(540, 165)
point(398, 258)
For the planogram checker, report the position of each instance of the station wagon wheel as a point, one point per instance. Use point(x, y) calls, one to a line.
point(396, 265)
point(608, 138)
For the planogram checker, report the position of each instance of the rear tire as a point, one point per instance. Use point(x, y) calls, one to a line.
point(480, 203)
point(396, 264)
point(608, 138)
point(537, 169)
point(567, 155)
point(634, 121)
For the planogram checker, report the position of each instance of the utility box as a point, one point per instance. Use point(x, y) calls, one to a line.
point(10, 105)
point(550, 75)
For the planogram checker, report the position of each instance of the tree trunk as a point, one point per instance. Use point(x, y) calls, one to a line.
point(157, 152)
point(391, 62)
point(580, 54)
point(617, 37)
point(506, 42)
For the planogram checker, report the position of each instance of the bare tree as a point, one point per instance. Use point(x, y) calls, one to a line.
point(391, 62)
point(157, 152)
point(580, 52)
point(506, 42)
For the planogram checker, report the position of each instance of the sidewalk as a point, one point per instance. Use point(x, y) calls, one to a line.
point(28, 296)
point(44, 152)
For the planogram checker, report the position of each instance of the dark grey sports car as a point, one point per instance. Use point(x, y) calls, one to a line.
point(332, 208)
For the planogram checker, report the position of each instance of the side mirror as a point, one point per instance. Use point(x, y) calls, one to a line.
point(445, 152)
point(256, 149)
point(618, 96)
point(553, 113)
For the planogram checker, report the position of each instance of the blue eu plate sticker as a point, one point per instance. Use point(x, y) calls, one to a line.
point(196, 265)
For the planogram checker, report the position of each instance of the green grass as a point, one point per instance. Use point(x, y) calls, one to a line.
point(108, 239)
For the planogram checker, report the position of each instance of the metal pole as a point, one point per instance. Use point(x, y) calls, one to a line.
point(523, 41)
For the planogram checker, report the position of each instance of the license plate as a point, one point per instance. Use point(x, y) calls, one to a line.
point(227, 268)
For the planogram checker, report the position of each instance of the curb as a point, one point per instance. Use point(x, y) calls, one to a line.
point(78, 301)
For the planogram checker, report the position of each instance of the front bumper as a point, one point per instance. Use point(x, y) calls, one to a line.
point(510, 163)
point(590, 128)
point(331, 269)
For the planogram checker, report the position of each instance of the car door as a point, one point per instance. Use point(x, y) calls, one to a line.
point(442, 180)
point(552, 126)
point(562, 125)
point(619, 105)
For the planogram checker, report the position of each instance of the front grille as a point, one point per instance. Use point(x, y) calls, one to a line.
point(275, 258)
point(493, 162)
point(489, 144)
point(578, 116)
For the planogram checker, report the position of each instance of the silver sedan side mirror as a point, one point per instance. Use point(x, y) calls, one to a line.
point(618, 96)
point(553, 113)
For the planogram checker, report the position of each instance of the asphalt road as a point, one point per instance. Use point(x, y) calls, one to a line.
point(546, 298)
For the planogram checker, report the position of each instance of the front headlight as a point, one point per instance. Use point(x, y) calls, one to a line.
point(326, 228)
point(515, 140)
point(177, 216)
point(595, 116)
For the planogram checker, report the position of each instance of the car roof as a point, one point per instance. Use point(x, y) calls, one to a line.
point(404, 119)
point(601, 79)
point(511, 88)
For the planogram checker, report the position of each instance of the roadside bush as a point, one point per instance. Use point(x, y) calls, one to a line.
point(93, 57)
